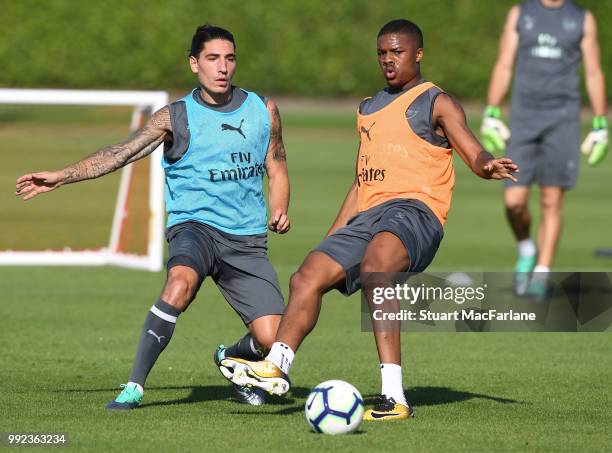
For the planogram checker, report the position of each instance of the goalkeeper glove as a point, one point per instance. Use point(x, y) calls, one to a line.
point(493, 131)
point(596, 143)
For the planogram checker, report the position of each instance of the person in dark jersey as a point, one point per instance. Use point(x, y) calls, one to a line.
point(547, 39)
point(392, 217)
point(219, 142)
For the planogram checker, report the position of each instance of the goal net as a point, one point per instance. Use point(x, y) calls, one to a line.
point(50, 129)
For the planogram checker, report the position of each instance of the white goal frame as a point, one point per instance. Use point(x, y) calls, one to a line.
point(143, 102)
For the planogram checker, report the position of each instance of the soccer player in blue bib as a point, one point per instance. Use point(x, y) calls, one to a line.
point(219, 141)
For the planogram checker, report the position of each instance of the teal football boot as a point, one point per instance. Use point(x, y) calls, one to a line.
point(522, 273)
point(129, 398)
point(538, 286)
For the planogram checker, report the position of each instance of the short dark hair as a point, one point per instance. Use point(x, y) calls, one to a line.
point(404, 26)
point(205, 33)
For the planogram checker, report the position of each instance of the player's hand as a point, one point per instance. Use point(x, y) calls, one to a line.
point(501, 168)
point(493, 132)
point(595, 145)
point(30, 185)
point(279, 223)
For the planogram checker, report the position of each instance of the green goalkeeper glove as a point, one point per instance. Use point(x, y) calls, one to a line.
point(493, 131)
point(595, 145)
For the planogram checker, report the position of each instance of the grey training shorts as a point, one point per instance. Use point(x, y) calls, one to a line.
point(410, 220)
point(238, 264)
point(545, 145)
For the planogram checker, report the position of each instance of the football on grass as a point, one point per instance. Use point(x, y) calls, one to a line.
point(334, 407)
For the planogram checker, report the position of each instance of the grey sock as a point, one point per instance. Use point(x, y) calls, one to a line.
point(245, 348)
point(156, 333)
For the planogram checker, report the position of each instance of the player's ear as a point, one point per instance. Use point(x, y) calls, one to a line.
point(193, 64)
point(419, 54)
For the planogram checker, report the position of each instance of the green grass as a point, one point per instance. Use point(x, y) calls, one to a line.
point(69, 334)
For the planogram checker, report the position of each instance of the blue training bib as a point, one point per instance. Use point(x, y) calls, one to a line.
point(218, 181)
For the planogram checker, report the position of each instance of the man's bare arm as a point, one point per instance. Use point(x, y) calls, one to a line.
point(593, 74)
point(449, 115)
point(278, 175)
point(347, 210)
point(111, 158)
point(146, 150)
point(502, 71)
point(102, 162)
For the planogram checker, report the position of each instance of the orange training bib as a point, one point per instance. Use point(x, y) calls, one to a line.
point(394, 162)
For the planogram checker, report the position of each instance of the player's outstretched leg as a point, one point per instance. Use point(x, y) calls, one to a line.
point(515, 199)
point(156, 334)
point(316, 275)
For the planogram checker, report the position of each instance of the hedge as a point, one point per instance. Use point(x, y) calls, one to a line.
point(307, 48)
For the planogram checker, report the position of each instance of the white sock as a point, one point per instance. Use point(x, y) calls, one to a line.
point(540, 268)
point(391, 376)
point(540, 273)
point(526, 247)
point(138, 386)
point(281, 355)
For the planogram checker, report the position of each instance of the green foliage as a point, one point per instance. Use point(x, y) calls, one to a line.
point(317, 47)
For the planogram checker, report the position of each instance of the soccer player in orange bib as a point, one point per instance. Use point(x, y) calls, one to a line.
point(392, 217)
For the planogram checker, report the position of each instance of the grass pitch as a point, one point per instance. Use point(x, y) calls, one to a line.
point(69, 334)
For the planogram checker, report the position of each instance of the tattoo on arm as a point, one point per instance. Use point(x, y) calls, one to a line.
point(111, 158)
point(277, 148)
point(145, 151)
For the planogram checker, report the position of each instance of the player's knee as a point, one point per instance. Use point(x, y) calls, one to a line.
point(515, 207)
point(372, 263)
point(551, 205)
point(373, 274)
point(303, 281)
point(179, 291)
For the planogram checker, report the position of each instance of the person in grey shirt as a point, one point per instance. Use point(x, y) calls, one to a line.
point(547, 39)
